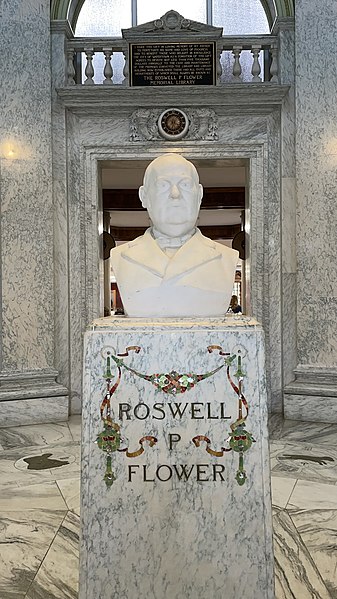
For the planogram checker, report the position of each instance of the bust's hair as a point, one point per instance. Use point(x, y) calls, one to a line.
point(156, 163)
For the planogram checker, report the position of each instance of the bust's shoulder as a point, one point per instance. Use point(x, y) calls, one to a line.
point(226, 251)
point(130, 245)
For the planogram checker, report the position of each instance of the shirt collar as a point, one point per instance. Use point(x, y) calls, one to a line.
point(166, 242)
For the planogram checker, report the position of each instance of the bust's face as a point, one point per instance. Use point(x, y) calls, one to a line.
point(172, 195)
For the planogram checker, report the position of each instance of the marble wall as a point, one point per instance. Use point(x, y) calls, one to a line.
point(316, 187)
point(50, 149)
point(27, 291)
point(92, 139)
point(286, 33)
point(316, 162)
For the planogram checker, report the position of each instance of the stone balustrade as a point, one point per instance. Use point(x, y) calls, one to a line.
point(242, 59)
point(248, 59)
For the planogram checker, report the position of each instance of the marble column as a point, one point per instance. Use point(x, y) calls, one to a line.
point(313, 395)
point(28, 388)
point(60, 32)
point(285, 29)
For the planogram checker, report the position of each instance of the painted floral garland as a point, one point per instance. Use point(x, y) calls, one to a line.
point(173, 383)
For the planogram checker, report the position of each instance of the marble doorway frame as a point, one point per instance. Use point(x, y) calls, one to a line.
point(254, 156)
point(264, 263)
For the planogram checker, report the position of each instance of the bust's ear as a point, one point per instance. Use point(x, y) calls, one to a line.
point(141, 193)
point(201, 193)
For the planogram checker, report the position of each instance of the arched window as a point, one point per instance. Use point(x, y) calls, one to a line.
point(108, 17)
point(196, 10)
point(99, 18)
point(240, 17)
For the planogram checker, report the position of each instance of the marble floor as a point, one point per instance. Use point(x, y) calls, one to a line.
point(39, 510)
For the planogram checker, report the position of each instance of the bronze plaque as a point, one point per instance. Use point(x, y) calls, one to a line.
point(172, 64)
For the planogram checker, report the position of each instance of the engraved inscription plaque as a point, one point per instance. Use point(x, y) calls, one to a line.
point(172, 64)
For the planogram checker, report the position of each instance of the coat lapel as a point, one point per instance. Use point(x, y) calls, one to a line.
point(145, 252)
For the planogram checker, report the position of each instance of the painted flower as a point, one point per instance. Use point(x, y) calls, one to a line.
point(186, 381)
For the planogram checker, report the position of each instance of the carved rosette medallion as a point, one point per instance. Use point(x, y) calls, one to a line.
point(173, 124)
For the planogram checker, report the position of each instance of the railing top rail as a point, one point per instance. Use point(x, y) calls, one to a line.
point(97, 43)
point(118, 43)
point(247, 40)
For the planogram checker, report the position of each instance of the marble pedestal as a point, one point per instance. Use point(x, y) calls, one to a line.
point(188, 514)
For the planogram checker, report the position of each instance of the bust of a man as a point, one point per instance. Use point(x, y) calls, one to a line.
point(173, 270)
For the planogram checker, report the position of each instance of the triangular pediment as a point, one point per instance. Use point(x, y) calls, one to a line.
point(172, 24)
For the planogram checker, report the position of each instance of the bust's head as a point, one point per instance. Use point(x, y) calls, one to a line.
point(172, 194)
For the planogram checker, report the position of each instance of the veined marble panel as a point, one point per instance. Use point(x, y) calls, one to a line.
point(99, 129)
point(304, 461)
point(289, 345)
point(45, 496)
point(286, 59)
point(316, 183)
point(60, 211)
point(43, 409)
point(311, 496)
point(305, 432)
point(168, 514)
point(316, 407)
point(58, 576)
point(75, 426)
point(70, 489)
point(288, 191)
point(281, 490)
point(272, 274)
point(25, 537)
point(50, 463)
point(78, 219)
point(296, 574)
point(313, 509)
point(317, 319)
point(25, 436)
point(26, 250)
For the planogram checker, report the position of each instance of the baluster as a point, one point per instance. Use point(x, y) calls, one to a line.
point(89, 69)
point(218, 66)
point(274, 64)
point(237, 66)
point(70, 67)
point(126, 68)
point(108, 72)
point(256, 68)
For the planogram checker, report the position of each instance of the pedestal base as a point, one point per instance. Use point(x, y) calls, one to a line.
point(184, 510)
point(32, 398)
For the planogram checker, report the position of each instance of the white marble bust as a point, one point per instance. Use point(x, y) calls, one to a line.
point(173, 270)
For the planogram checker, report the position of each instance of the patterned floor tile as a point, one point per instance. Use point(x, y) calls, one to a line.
point(33, 435)
point(58, 576)
point(70, 489)
point(303, 432)
point(75, 426)
point(296, 575)
point(25, 537)
point(318, 530)
point(304, 461)
point(45, 496)
point(25, 466)
point(281, 490)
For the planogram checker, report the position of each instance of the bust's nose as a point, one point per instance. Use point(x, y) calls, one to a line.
point(175, 193)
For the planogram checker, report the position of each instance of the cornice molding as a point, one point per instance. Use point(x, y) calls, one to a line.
point(259, 98)
point(62, 27)
point(283, 24)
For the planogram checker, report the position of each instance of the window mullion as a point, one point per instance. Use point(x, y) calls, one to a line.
point(134, 13)
point(209, 12)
